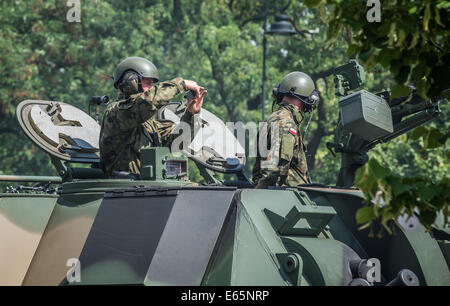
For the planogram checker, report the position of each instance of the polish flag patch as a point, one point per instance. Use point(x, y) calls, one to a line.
point(293, 132)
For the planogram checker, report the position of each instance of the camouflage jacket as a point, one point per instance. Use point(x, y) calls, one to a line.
point(129, 125)
point(285, 164)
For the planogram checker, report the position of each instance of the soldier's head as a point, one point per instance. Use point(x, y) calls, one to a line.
point(134, 75)
point(298, 89)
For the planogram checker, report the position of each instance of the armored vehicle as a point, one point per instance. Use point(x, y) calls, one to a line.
point(159, 228)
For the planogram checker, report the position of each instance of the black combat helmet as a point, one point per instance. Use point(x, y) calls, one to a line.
point(130, 71)
point(301, 86)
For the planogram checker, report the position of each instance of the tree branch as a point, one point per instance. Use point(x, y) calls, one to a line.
point(177, 13)
point(322, 74)
point(436, 45)
point(297, 29)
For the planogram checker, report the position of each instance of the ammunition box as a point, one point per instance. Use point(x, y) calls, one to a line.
point(366, 115)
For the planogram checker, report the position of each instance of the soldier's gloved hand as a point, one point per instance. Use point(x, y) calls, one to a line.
point(195, 104)
point(192, 85)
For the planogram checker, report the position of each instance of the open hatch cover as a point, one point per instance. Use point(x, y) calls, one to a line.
point(60, 129)
point(70, 134)
point(213, 144)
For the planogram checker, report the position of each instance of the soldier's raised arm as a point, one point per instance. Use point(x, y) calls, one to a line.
point(193, 107)
point(139, 99)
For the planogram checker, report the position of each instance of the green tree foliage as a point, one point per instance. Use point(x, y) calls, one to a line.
point(410, 40)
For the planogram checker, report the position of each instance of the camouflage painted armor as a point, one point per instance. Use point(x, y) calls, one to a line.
point(291, 169)
point(129, 125)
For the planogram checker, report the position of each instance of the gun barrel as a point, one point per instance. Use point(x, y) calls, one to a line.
point(25, 178)
point(409, 124)
point(400, 111)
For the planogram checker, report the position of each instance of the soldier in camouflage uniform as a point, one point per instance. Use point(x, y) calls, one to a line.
point(128, 124)
point(285, 164)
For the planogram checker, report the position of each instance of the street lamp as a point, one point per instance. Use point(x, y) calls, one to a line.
point(280, 27)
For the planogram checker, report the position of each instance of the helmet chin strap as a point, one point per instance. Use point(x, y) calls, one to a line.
point(140, 89)
point(307, 125)
point(305, 132)
point(304, 137)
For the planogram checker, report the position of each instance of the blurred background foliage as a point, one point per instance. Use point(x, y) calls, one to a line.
point(219, 45)
point(411, 173)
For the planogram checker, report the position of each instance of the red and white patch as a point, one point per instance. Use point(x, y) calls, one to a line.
point(293, 132)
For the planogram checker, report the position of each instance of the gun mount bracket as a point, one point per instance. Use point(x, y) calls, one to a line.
point(301, 220)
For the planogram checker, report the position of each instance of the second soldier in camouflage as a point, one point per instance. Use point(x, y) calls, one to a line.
point(285, 164)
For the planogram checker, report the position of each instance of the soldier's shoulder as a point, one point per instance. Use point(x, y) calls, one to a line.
point(123, 103)
point(282, 116)
point(112, 105)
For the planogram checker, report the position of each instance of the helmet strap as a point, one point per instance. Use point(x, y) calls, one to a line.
point(140, 89)
point(305, 132)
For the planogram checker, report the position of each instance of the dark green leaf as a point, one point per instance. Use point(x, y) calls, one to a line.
point(386, 55)
point(352, 50)
point(426, 193)
point(433, 139)
point(427, 217)
point(366, 180)
point(402, 74)
point(419, 132)
point(365, 214)
point(447, 94)
point(378, 170)
point(399, 91)
point(397, 185)
point(312, 3)
point(422, 87)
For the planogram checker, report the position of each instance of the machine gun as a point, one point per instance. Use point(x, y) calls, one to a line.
point(367, 119)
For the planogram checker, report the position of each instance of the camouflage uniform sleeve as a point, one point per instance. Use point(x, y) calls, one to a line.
point(137, 109)
point(275, 167)
point(167, 135)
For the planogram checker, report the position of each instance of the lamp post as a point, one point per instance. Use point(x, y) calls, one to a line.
point(280, 27)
